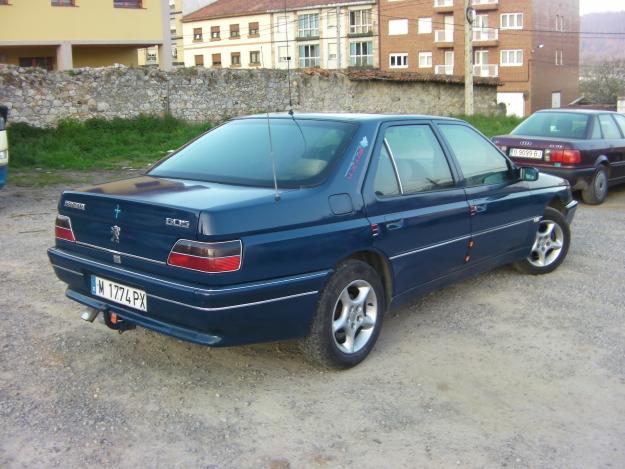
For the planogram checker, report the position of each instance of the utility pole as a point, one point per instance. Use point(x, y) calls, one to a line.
point(469, 16)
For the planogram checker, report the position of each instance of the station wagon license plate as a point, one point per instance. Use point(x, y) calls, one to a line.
point(525, 153)
point(122, 294)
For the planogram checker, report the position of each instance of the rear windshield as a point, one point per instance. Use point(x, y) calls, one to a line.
point(555, 125)
point(238, 152)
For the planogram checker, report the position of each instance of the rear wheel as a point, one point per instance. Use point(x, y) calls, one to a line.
point(597, 191)
point(348, 319)
point(550, 247)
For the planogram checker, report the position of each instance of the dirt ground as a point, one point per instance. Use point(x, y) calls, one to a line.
point(503, 370)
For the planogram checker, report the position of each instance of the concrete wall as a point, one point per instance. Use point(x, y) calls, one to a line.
point(42, 98)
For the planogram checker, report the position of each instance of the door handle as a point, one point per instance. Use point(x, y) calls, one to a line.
point(394, 225)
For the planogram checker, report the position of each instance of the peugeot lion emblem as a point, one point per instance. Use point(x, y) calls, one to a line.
point(115, 232)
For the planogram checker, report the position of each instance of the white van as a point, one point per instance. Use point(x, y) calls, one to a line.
point(4, 145)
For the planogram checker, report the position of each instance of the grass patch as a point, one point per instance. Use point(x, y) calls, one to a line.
point(492, 125)
point(99, 143)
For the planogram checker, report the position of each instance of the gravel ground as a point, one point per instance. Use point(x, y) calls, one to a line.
point(503, 370)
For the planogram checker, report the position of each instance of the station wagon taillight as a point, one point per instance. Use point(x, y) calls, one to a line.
point(206, 257)
point(563, 156)
point(63, 228)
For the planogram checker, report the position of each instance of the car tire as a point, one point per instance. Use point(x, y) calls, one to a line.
point(597, 191)
point(551, 245)
point(348, 317)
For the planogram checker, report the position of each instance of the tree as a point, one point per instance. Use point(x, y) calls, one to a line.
point(604, 82)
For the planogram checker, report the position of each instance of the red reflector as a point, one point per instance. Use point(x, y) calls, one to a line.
point(205, 264)
point(64, 233)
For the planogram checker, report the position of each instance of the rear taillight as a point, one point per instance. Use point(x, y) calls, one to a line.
point(563, 156)
point(206, 257)
point(63, 228)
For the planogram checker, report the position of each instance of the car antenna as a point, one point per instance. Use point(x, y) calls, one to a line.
point(271, 153)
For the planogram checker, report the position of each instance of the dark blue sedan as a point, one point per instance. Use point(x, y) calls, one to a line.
point(309, 227)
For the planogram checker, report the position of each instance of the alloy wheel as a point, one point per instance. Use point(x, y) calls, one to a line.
point(547, 245)
point(355, 316)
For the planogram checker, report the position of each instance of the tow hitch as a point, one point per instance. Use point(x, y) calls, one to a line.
point(111, 319)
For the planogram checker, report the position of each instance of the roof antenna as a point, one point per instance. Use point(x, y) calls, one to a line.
point(288, 60)
point(271, 153)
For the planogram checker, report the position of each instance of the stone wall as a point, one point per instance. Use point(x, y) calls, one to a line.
point(42, 98)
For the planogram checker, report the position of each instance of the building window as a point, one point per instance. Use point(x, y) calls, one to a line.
point(397, 27)
point(512, 21)
point(332, 19)
point(61, 3)
point(128, 3)
point(332, 51)
point(360, 22)
point(425, 60)
point(216, 60)
point(511, 58)
point(215, 33)
point(199, 60)
point(424, 26)
point(309, 55)
point(398, 61)
point(234, 31)
point(253, 29)
point(41, 62)
point(559, 60)
point(559, 23)
point(282, 24)
point(283, 54)
point(235, 59)
point(197, 34)
point(308, 25)
point(255, 57)
point(174, 52)
point(361, 54)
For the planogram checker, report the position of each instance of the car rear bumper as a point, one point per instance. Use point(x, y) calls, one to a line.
point(578, 178)
point(276, 309)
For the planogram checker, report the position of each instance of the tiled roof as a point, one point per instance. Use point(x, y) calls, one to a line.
point(228, 8)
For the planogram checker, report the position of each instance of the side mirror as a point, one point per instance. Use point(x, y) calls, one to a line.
point(529, 174)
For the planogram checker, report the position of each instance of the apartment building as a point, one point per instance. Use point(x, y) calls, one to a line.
point(532, 46)
point(149, 55)
point(66, 34)
point(332, 34)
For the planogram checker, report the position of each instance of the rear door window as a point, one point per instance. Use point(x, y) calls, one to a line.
point(620, 120)
point(385, 183)
point(480, 162)
point(418, 157)
point(608, 127)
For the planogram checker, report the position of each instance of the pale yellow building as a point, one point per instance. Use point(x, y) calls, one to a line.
point(66, 34)
point(332, 34)
point(150, 56)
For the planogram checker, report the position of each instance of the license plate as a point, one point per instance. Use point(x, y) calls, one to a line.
point(122, 294)
point(525, 153)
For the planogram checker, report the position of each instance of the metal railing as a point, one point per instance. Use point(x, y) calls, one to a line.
point(486, 70)
point(444, 69)
point(485, 34)
point(444, 35)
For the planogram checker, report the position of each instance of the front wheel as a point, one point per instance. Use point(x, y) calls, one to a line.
point(550, 247)
point(348, 318)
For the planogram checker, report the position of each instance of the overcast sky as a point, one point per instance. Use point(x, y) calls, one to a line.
point(592, 6)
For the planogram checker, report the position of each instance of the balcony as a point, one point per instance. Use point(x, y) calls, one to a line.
point(444, 70)
point(444, 37)
point(486, 36)
point(443, 6)
point(486, 70)
point(482, 5)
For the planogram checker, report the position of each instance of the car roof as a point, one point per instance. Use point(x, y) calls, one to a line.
point(575, 111)
point(348, 116)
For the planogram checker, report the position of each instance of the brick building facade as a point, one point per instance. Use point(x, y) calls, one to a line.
point(532, 46)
